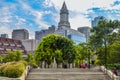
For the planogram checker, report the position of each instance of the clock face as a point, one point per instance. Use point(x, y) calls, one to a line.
point(63, 17)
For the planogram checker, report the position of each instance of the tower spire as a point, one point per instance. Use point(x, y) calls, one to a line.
point(64, 18)
point(64, 6)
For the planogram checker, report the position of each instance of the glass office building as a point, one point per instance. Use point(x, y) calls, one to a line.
point(76, 36)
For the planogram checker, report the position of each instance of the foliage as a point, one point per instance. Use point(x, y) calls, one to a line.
point(58, 56)
point(103, 40)
point(113, 66)
point(114, 51)
point(31, 61)
point(34, 65)
point(29, 58)
point(49, 46)
point(12, 69)
point(18, 55)
point(13, 56)
point(1, 58)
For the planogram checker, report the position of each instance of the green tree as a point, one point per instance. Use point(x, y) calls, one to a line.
point(58, 56)
point(78, 57)
point(114, 52)
point(18, 55)
point(13, 56)
point(103, 35)
point(50, 43)
point(10, 56)
point(29, 57)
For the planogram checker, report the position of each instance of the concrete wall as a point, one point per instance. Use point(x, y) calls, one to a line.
point(30, 45)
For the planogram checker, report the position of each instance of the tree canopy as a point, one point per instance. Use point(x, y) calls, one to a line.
point(105, 39)
point(55, 46)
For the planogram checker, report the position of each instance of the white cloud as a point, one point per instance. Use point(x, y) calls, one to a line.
point(6, 29)
point(79, 21)
point(47, 3)
point(79, 7)
point(82, 6)
point(37, 14)
point(5, 15)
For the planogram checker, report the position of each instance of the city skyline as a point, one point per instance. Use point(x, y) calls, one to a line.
point(41, 14)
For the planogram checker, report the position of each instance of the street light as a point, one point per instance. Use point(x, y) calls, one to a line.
point(89, 58)
point(105, 55)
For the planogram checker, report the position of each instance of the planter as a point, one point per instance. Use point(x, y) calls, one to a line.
point(24, 75)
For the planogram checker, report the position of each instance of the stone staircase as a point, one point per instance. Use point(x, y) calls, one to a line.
point(67, 74)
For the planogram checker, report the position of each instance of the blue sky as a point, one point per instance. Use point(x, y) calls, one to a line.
point(35, 15)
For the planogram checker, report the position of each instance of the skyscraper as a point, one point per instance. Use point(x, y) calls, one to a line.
point(96, 20)
point(20, 34)
point(42, 33)
point(85, 30)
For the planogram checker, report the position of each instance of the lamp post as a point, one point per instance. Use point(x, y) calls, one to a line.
point(89, 58)
point(105, 55)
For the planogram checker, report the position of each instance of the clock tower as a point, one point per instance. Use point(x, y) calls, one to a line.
point(64, 19)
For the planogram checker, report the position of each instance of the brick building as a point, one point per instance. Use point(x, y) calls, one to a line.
point(10, 44)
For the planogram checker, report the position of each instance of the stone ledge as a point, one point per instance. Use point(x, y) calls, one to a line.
point(109, 73)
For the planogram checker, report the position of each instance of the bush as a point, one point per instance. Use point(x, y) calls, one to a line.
point(34, 65)
point(24, 62)
point(112, 66)
point(12, 69)
point(2, 67)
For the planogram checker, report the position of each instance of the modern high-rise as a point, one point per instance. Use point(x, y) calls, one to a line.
point(96, 20)
point(4, 35)
point(42, 33)
point(20, 34)
point(85, 30)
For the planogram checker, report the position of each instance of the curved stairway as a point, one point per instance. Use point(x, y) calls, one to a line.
point(67, 74)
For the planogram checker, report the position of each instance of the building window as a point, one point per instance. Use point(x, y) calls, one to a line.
point(1, 48)
point(12, 44)
point(8, 49)
point(18, 45)
point(6, 44)
point(14, 49)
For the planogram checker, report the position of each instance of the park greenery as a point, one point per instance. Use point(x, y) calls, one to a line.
point(103, 48)
point(55, 47)
point(13, 64)
point(105, 41)
point(13, 69)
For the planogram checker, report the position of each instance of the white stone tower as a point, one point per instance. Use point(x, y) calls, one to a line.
point(64, 18)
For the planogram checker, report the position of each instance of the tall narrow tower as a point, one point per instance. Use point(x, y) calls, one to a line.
point(64, 19)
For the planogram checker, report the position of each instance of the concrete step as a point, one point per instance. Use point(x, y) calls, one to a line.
point(68, 77)
point(67, 74)
point(65, 70)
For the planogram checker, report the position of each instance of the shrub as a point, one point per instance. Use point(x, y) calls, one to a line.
point(12, 69)
point(2, 67)
point(24, 62)
point(34, 65)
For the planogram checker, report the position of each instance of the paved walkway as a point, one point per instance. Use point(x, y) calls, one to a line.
point(67, 74)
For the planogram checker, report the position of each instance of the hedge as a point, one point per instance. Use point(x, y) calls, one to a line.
point(12, 69)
